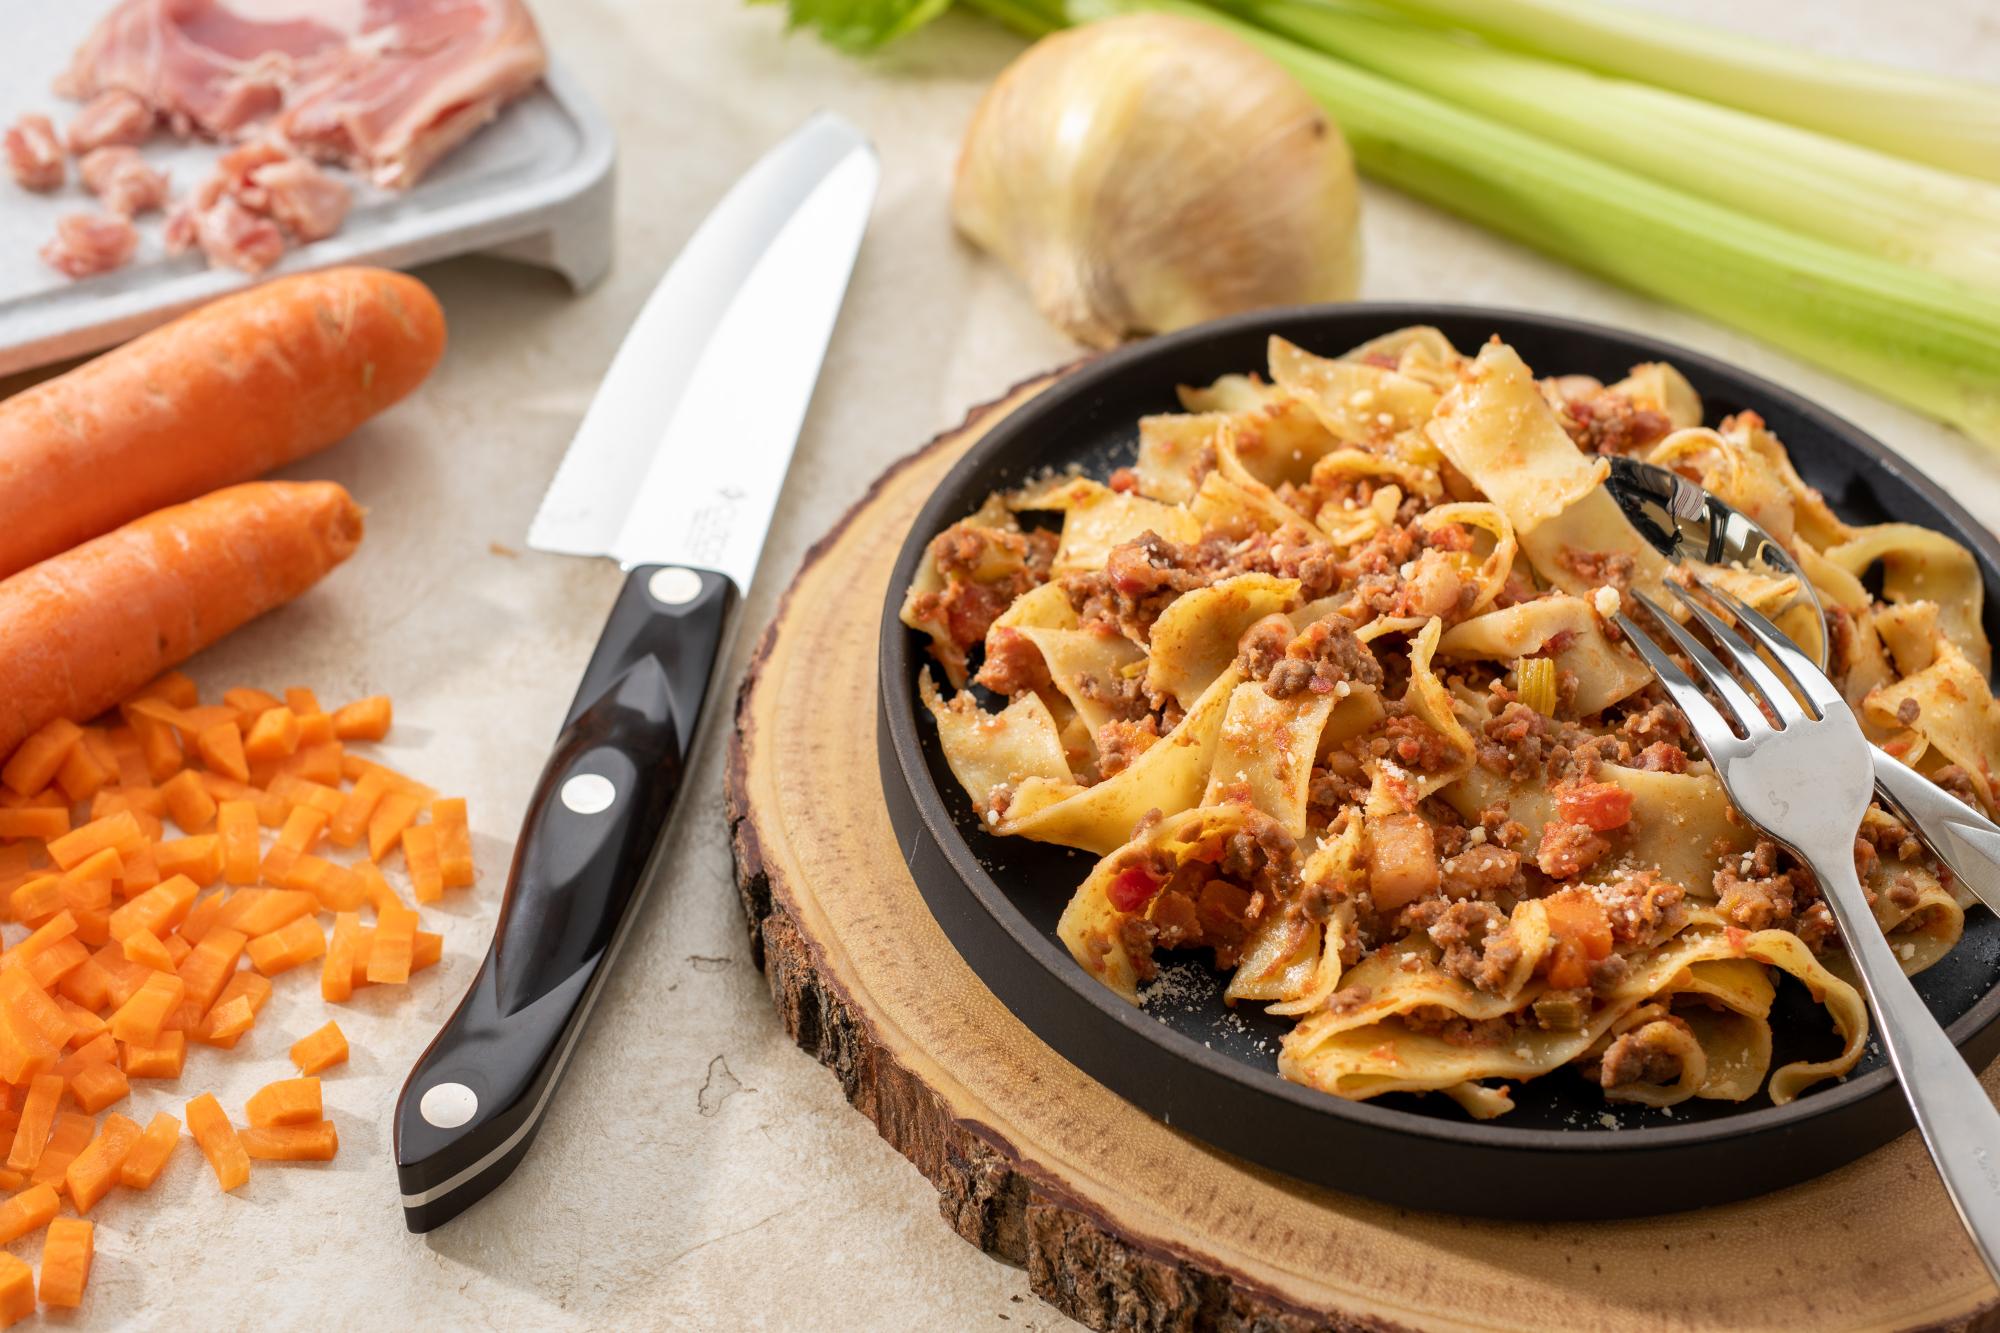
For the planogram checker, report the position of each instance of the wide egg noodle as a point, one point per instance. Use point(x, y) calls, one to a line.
point(1495, 428)
point(1493, 569)
point(1226, 505)
point(1365, 1050)
point(1265, 753)
point(1172, 447)
point(1921, 565)
point(1661, 387)
point(1428, 698)
point(1194, 640)
point(1087, 667)
point(1681, 822)
point(1097, 518)
point(1604, 674)
point(994, 518)
point(1092, 927)
point(987, 751)
point(1498, 430)
point(1418, 351)
point(1169, 777)
point(1726, 1004)
point(1955, 713)
point(1358, 403)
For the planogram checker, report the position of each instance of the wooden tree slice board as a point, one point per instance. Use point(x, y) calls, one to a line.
point(1123, 1222)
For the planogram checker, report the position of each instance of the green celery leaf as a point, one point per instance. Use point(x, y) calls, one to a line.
point(862, 25)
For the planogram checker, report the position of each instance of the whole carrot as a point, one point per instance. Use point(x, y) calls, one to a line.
point(84, 630)
point(221, 395)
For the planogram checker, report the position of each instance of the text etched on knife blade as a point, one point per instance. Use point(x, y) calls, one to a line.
point(710, 524)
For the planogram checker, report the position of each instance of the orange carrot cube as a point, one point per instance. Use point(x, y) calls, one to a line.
point(219, 1141)
point(314, 1142)
point(141, 1018)
point(160, 744)
point(149, 1155)
point(273, 735)
point(37, 900)
point(221, 748)
point(30, 1210)
point(188, 801)
point(250, 704)
point(320, 1049)
point(164, 1057)
point(336, 980)
point(66, 1253)
point(44, 822)
point(36, 761)
point(98, 1086)
point(364, 719)
point(142, 946)
point(159, 909)
point(289, 1101)
point(297, 942)
point(95, 1170)
point(207, 970)
point(71, 1135)
point(120, 831)
point(454, 839)
point(350, 825)
point(17, 1289)
point(420, 850)
point(38, 1117)
point(199, 858)
point(260, 911)
point(393, 816)
point(395, 941)
point(303, 829)
point(236, 826)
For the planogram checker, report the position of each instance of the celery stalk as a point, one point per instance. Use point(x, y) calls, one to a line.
point(1947, 123)
point(1912, 336)
point(1824, 187)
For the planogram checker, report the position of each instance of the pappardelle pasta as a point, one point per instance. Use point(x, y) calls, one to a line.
point(1329, 682)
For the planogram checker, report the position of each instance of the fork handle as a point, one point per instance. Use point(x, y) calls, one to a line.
point(1965, 840)
point(1953, 1112)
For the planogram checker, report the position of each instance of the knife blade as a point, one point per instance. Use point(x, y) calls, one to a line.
point(675, 472)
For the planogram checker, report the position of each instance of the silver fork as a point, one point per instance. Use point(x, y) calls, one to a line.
point(1805, 780)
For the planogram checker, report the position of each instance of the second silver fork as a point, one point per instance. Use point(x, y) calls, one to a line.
point(1802, 773)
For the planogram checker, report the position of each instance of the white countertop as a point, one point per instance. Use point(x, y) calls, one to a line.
point(697, 1169)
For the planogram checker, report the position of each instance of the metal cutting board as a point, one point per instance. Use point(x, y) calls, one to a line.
point(533, 185)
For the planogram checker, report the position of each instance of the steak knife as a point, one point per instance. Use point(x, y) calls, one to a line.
point(675, 473)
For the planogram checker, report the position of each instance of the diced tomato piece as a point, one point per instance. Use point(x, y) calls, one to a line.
point(1600, 806)
point(1132, 888)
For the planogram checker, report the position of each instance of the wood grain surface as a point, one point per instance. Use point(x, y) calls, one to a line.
point(1124, 1223)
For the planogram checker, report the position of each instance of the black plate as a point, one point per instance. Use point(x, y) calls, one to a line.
point(1211, 1070)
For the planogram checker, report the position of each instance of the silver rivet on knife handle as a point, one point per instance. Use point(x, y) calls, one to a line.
point(588, 794)
point(674, 586)
point(449, 1105)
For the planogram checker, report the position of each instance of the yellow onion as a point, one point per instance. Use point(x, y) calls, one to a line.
point(1149, 172)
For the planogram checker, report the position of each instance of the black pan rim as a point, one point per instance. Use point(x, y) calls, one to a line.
point(897, 664)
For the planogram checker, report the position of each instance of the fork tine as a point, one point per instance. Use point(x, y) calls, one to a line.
point(1711, 728)
point(1744, 658)
point(1804, 672)
point(1740, 701)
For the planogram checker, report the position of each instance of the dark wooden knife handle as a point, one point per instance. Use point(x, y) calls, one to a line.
point(476, 1097)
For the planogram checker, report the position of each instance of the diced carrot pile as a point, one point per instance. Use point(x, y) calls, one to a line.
point(134, 855)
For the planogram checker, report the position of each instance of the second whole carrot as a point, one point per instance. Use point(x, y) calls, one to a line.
point(83, 630)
